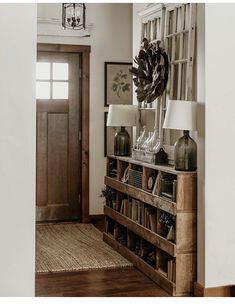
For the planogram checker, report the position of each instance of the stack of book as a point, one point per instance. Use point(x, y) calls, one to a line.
point(116, 205)
point(136, 211)
point(150, 221)
point(171, 270)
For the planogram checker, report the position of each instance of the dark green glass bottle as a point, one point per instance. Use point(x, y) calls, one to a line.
point(185, 153)
point(122, 143)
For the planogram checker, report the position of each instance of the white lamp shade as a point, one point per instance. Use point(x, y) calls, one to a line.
point(122, 116)
point(181, 115)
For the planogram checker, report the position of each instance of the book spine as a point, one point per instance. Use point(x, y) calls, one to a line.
point(122, 207)
point(173, 272)
point(153, 222)
point(130, 209)
point(174, 191)
point(142, 214)
point(169, 270)
point(139, 213)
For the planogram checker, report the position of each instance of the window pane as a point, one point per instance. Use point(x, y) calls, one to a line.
point(60, 90)
point(60, 71)
point(43, 70)
point(43, 90)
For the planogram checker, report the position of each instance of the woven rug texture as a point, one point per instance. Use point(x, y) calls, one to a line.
point(73, 247)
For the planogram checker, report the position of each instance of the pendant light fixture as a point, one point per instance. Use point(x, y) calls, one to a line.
point(74, 16)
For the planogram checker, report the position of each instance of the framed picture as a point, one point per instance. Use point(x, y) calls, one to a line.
point(118, 83)
point(109, 133)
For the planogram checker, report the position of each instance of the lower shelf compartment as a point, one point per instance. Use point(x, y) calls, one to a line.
point(147, 234)
point(141, 265)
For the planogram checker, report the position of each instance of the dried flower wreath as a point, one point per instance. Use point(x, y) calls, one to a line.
point(151, 75)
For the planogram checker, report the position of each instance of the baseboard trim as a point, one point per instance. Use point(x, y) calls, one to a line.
point(96, 217)
point(221, 291)
point(98, 221)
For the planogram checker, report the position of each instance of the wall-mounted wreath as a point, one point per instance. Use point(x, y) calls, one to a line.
point(151, 75)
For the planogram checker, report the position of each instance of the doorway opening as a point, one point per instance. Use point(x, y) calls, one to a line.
point(62, 93)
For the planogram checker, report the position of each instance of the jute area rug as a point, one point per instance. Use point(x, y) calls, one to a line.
point(73, 247)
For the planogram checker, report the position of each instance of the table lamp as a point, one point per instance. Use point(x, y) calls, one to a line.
point(122, 116)
point(181, 115)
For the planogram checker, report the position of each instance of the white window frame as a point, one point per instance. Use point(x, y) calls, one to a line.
point(155, 26)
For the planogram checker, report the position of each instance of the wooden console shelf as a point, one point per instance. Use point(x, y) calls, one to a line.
point(140, 264)
point(147, 234)
point(152, 220)
point(166, 168)
point(141, 195)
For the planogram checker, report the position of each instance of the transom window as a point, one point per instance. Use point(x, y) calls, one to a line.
point(52, 80)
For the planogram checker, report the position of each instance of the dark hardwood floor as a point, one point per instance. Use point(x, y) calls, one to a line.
point(126, 282)
point(98, 283)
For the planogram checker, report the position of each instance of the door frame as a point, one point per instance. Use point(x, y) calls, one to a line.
point(84, 51)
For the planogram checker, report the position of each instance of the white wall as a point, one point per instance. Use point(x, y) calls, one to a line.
point(111, 40)
point(17, 148)
point(220, 145)
point(201, 143)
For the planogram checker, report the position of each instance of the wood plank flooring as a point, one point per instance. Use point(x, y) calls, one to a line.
point(98, 283)
point(126, 282)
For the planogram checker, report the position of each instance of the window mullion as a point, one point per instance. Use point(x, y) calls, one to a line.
point(51, 80)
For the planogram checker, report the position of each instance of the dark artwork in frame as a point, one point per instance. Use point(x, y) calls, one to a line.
point(118, 83)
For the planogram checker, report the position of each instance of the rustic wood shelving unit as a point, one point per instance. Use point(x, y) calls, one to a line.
point(181, 252)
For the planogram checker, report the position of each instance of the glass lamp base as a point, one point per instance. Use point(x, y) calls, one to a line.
point(185, 153)
point(122, 143)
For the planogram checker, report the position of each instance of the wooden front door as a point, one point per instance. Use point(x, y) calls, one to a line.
point(58, 136)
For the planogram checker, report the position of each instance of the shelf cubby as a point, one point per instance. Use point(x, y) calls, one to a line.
point(144, 212)
point(145, 233)
point(135, 176)
point(121, 169)
point(149, 179)
point(138, 262)
point(112, 167)
point(148, 198)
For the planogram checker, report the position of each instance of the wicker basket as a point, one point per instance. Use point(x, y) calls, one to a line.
point(135, 178)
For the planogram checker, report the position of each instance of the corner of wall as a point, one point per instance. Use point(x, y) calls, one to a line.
point(201, 142)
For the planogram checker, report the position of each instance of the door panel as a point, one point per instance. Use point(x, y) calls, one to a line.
point(58, 144)
point(57, 158)
point(41, 168)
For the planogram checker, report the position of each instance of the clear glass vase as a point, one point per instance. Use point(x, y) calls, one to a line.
point(154, 140)
point(139, 139)
point(144, 147)
point(142, 138)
